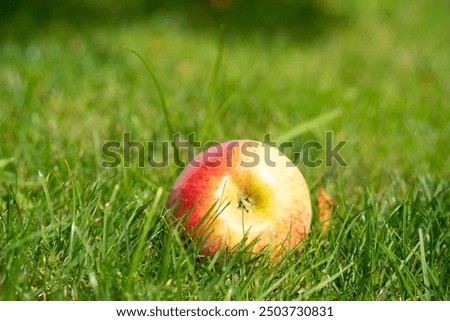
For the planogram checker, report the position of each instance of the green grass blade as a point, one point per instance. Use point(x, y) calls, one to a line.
point(165, 110)
point(159, 89)
point(424, 265)
point(138, 253)
point(6, 161)
point(47, 196)
point(309, 125)
point(324, 283)
point(223, 107)
point(212, 89)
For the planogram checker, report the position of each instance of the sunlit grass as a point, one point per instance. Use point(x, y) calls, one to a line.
point(71, 229)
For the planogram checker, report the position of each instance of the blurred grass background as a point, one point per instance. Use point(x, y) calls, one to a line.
point(384, 64)
point(68, 86)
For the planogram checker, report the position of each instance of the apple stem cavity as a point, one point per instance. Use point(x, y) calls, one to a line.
point(245, 203)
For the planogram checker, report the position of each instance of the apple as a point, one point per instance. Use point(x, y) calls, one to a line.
point(242, 189)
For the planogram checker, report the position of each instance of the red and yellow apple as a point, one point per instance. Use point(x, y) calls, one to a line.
point(242, 189)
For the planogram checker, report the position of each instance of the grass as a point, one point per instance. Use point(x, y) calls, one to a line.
point(373, 74)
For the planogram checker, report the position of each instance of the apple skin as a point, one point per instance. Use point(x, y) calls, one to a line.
point(238, 189)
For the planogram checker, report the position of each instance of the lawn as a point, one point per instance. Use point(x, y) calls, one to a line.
point(376, 73)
